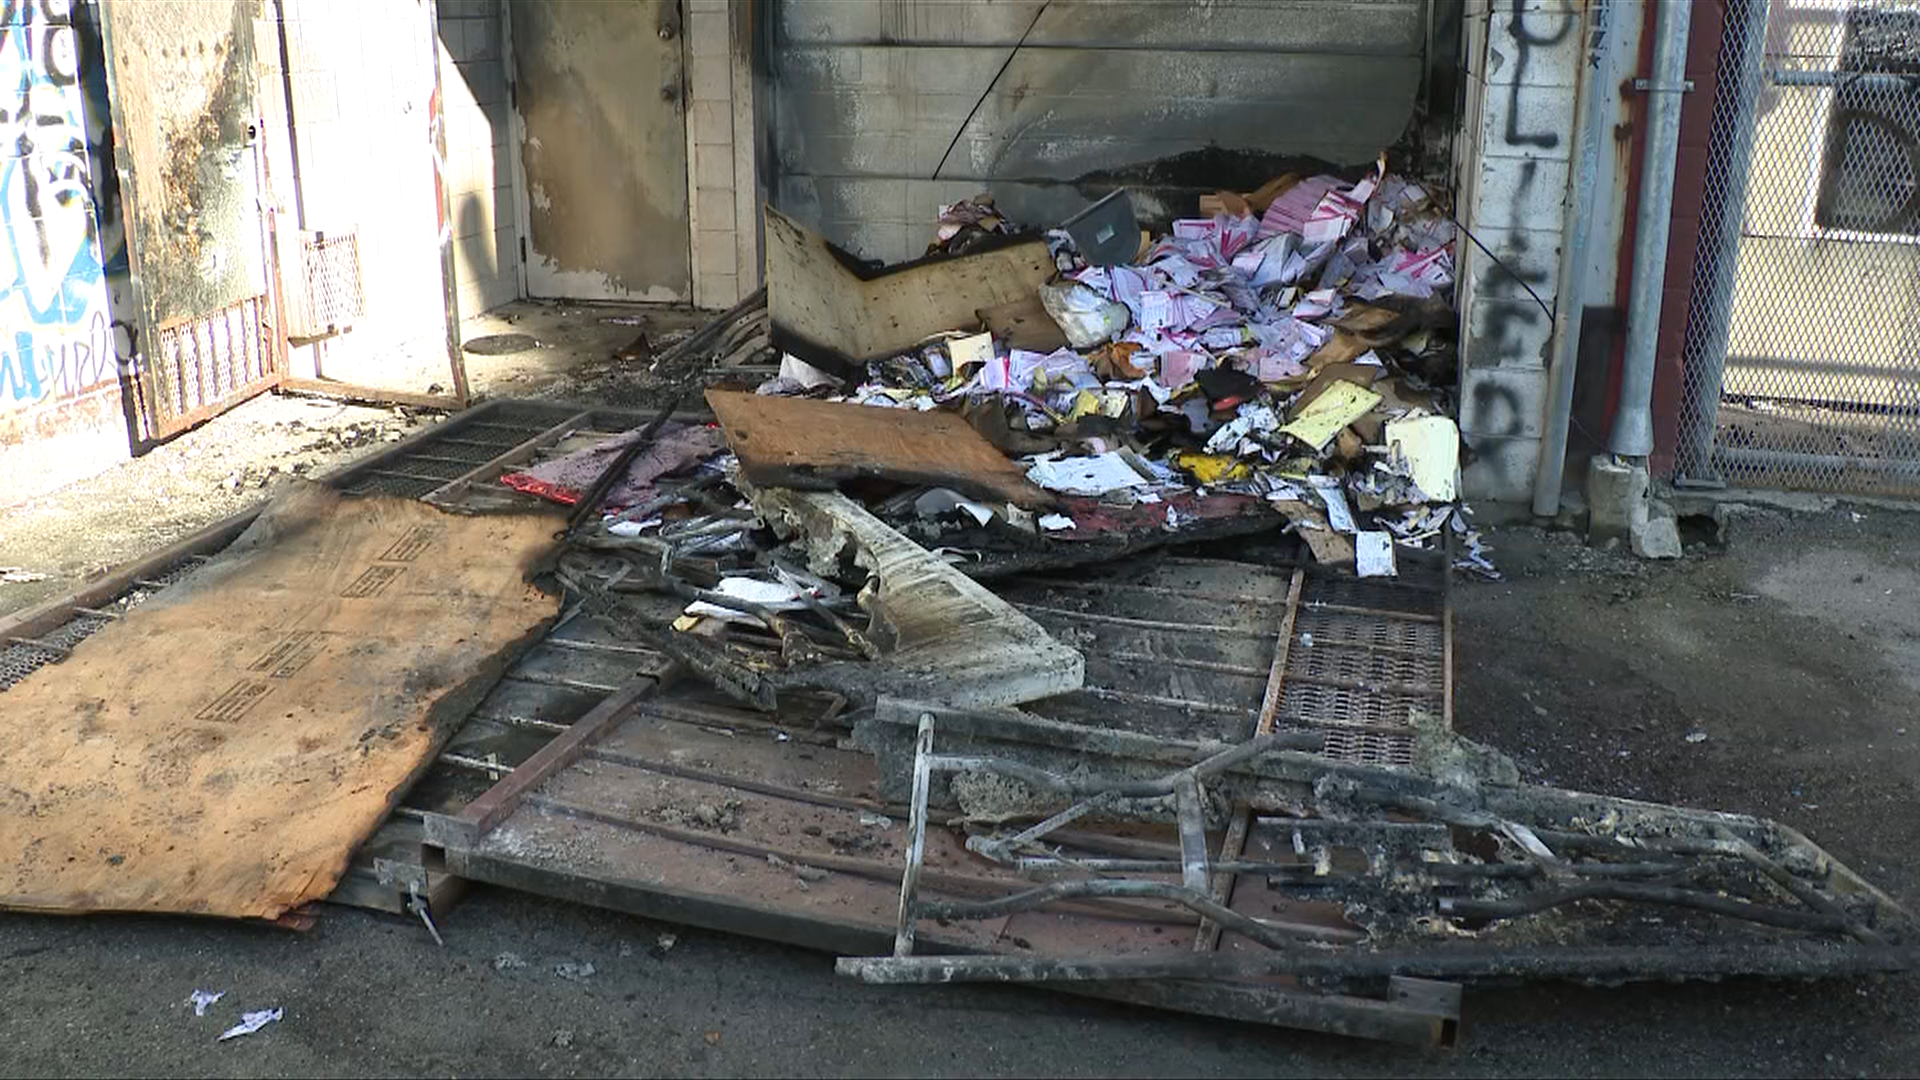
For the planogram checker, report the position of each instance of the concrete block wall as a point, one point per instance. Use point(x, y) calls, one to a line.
point(474, 100)
point(722, 178)
point(1522, 71)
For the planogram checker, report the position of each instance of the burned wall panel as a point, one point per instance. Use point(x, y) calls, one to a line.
point(882, 110)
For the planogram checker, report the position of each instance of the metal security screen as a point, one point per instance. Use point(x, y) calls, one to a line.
point(1802, 353)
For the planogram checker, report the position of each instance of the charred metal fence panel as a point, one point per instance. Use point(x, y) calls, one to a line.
point(1802, 350)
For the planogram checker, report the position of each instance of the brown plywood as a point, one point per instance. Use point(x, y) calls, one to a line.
point(801, 443)
point(223, 748)
point(838, 318)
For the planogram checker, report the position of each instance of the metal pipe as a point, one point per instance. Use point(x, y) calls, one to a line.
point(1590, 111)
point(1633, 420)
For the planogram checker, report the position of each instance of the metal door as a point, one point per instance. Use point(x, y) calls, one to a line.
point(181, 81)
point(597, 93)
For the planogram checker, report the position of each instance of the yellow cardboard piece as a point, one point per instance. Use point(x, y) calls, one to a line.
point(1211, 468)
point(1431, 445)
point(977, 349)
point(1341, 404)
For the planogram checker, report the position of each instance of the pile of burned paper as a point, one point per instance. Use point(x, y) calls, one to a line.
point(1297, 347)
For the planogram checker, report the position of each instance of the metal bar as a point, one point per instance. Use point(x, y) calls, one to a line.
point(1215, 666)
point(1235, 842)
point(1632, 434)
point(1270, 934)
point(1143, 624)
point(541, 678)
point(1130, 697)
point(344, 391)
point(1790, 459)
point(916, 838)
point(1576, 227)
point(1382, 687)
point(482, 814)
point(1859, 80)
point(758, 787)
point(1131, 789)
point(1190, 811)
point(1377, 613)
point(1632, 892)
point(600, 647)
point(408, 475)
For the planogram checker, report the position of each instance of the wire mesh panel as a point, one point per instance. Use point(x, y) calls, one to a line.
point(1802, 352)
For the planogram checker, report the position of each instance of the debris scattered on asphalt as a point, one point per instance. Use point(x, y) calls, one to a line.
point(251, 1022)
point(507, 961)
point(574, 971)
point(200, 999)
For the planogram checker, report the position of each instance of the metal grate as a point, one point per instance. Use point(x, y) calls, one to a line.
point(328, 297)
point(200, 365)
point(17, 661)
point(1802, 347)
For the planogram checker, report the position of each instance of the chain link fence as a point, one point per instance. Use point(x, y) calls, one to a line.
point(1802, 349)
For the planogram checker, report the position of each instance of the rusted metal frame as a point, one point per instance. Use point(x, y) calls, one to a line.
point(482, 814)
point(1235, 842)
point(1784, 959)
point(485, 471)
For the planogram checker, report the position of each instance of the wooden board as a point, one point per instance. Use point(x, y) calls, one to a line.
point(1024, 324)
point(836, 318)
point(801, 443)
point(223, 748)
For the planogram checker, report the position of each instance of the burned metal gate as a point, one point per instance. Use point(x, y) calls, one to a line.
point(1802, 348)
point(181, 77)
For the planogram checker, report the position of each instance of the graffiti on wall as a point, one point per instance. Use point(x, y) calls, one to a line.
point(56, 338)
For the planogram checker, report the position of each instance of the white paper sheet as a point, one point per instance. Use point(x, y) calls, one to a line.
point(767, 594)
point(1373, 553)
point(250, 1023)
point(1086, 475)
